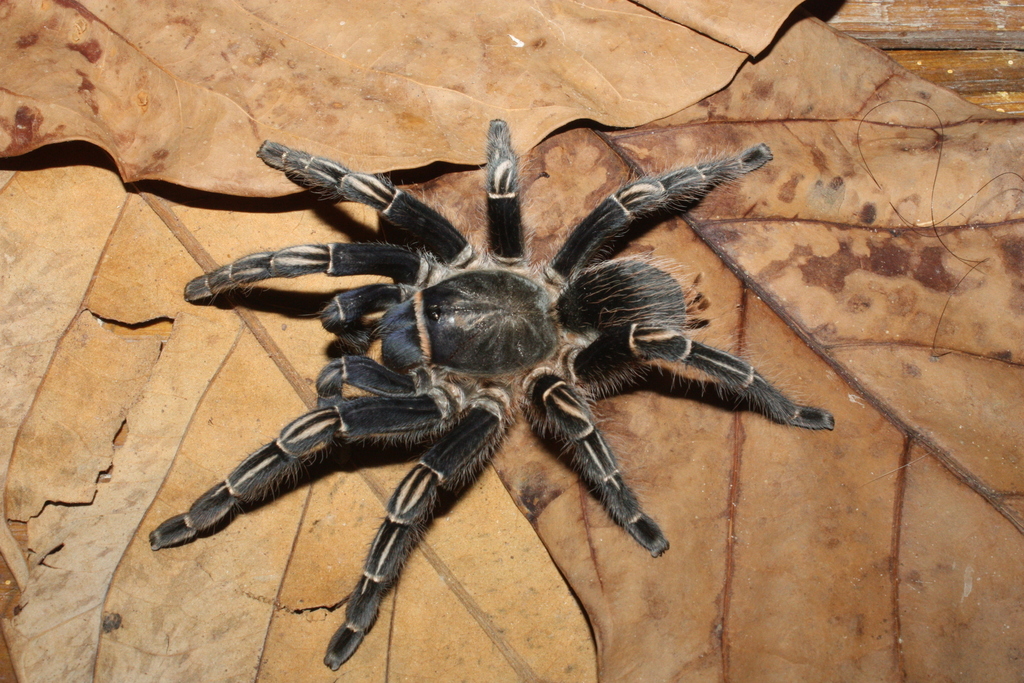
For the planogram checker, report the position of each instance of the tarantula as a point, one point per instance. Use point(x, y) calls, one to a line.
point(469, 340)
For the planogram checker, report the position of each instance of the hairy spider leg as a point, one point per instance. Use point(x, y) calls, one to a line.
point(455, 457)
point(505, 225)
point(569, 419)
point(674, 189)
point(646, 343)
point(348, 313)
point(297, 444)
point(348, 308)
point(363, 373)
point(335, 260)
point(336, 182)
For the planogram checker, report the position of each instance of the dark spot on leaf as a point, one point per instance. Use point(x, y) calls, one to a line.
point(911, 370)
point(1013, 254)
point(888, 259)
point(788, 190)
point(160, 154)
point(265, 52)
point(931, 273)
point(819, 160)
point(858, 303)
point(826, 196)
point(1003, 355)
point(780, 266)
point(27, 41)
point(763, 89)
point(85, 89)
point(90, 49)
point(24, 129)
point(86, 84)
point(829, 272)
point(868, 213)
point(535, 494)
point(111, 622)
point(539, 43)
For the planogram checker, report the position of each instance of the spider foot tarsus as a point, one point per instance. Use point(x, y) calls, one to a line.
point(342, 646)
point(754, 158)
point(647, 533)
point(812, 418)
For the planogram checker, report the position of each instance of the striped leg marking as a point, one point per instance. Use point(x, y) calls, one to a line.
point(654, 343)
point(335, 182)
point(673, 189)
point(362, 373)
point(570, 420)
point(302, 438)
point(335, 260)
point(253, 478)
point(503, 211)
point(454, 457)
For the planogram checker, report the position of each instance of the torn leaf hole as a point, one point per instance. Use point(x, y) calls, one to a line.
point(60, 503)
point(121, 435)
point(50, 554)
point(318, 608)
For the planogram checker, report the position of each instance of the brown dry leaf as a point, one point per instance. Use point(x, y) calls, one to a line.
point(185, 93)
point(889, 549)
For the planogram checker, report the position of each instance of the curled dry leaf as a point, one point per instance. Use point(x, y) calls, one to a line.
point(889, 549)
point(185, 92)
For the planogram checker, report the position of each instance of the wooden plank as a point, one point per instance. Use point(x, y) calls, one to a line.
point(924, 24)
point(991, 78)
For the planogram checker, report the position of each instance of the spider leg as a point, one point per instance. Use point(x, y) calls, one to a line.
point(297, 444)
point(453, 458)
point(335, 260)
point(650, 343)
point(505, 227)
point(337, 182)
point(570, 420)
point(362, 373)
point(346, 309)
point(673, 189)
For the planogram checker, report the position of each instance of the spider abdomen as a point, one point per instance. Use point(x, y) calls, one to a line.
point(619, 293)
point(481, 322)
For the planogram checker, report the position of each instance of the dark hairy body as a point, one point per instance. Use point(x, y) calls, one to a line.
point(469, 342)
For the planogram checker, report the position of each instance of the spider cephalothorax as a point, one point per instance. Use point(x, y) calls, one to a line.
point(470, 341)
